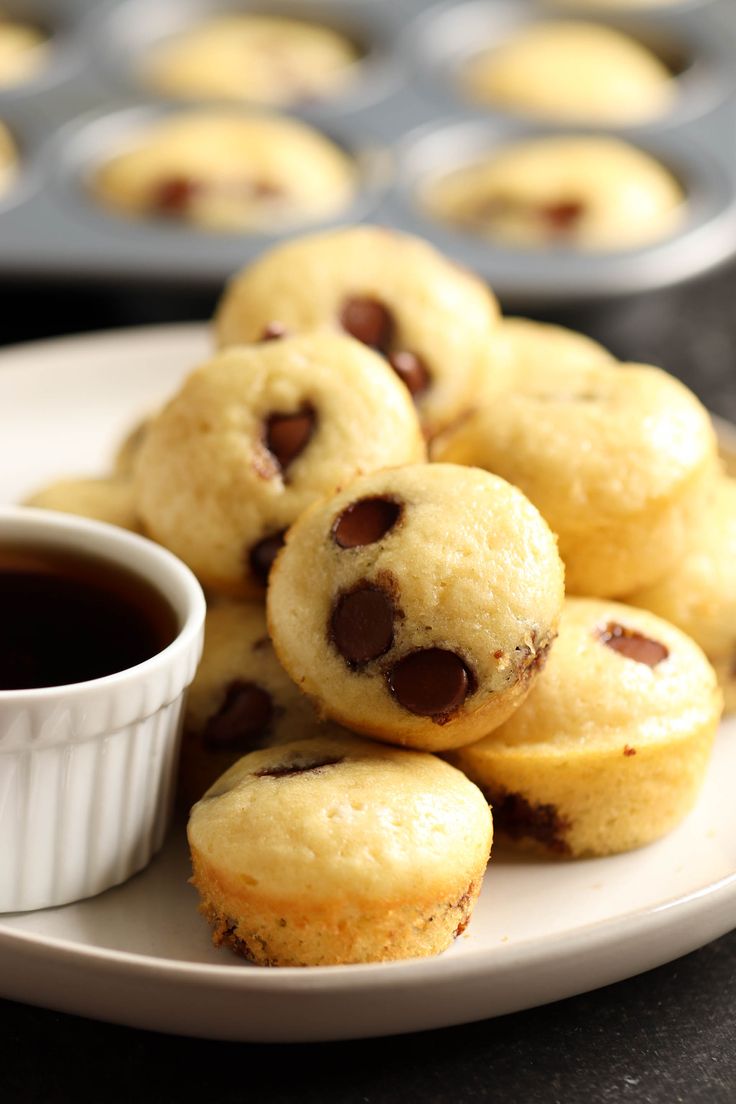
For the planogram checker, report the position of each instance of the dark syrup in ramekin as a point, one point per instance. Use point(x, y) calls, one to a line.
point(68, 617)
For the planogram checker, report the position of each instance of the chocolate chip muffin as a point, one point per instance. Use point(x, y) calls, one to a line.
point(572, 71)
point(241, 699)
point(228, 172)
point(584, 192)
point(620, 462)
point(256, 435)
point(252, 57)
point(418, 604)
point(338, 850)
point(433, 322)
point(610, 749)
point(107, 498)
point(24, 51)
point(698, 594)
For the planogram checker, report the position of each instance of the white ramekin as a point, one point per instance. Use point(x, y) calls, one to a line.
point(87, 770)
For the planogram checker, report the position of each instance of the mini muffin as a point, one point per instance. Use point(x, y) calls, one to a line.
point(23, 51)
point(540, 351)
point(698, 594)
point(609, 750)
point(620, 463)
point(8, 159)
point(252, 57)
point(417, 605)
point(257, 434)
point(337, 850)
point(241, 699)
point(572, 72)
point(434, 322)
point(107, 498)
point(584, 192)
point(228, 172)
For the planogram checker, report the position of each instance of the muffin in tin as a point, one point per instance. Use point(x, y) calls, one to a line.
point(585, 192)
point(253, 57)
point(540, 352)
point(572, 72)
point(418, 604)
point(337, 850)
point(609, 751)
point(433, 322)
point(620, 461)
point(254, 436)
point(24, 51)
point(228, 172)
point(698, 594)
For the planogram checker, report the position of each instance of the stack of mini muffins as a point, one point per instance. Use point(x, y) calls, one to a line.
point(378, 481)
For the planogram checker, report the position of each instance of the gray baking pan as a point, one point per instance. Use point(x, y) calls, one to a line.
point(402, 120)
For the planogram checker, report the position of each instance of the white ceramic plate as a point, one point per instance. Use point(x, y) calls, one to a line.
point(141, 955)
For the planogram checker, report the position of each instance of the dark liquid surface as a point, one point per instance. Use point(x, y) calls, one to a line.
point(67, 618)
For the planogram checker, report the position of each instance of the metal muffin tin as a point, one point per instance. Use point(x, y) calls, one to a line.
point(403, 119)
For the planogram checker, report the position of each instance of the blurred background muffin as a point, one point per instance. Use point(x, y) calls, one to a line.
point(24, 50)
point(228, 172)
point(265, 59)
point(572, 71)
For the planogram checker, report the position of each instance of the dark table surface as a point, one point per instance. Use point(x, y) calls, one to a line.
point(667, 1036)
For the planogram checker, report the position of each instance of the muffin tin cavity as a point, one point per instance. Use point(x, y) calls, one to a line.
point(706, 230)
point(401, 116)
point(454, 43)
point(84, 152)
point(136, 43)
point(588, 192)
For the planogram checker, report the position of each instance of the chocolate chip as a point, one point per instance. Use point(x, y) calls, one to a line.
point(262, 555)
point(411, 370)
point(173, 196)
point(284, 770)
point(287, 435)
point(561, 217)
point(632, 644)
point(532, 659)
point(432, 683)
point(265, 189)
point(518, 819)
point(365, 522)
point(362, 624)
point(368, 321)
point(243, 717)
point(273, 331)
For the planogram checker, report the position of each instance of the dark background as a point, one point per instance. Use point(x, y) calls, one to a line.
point(667, 1036)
